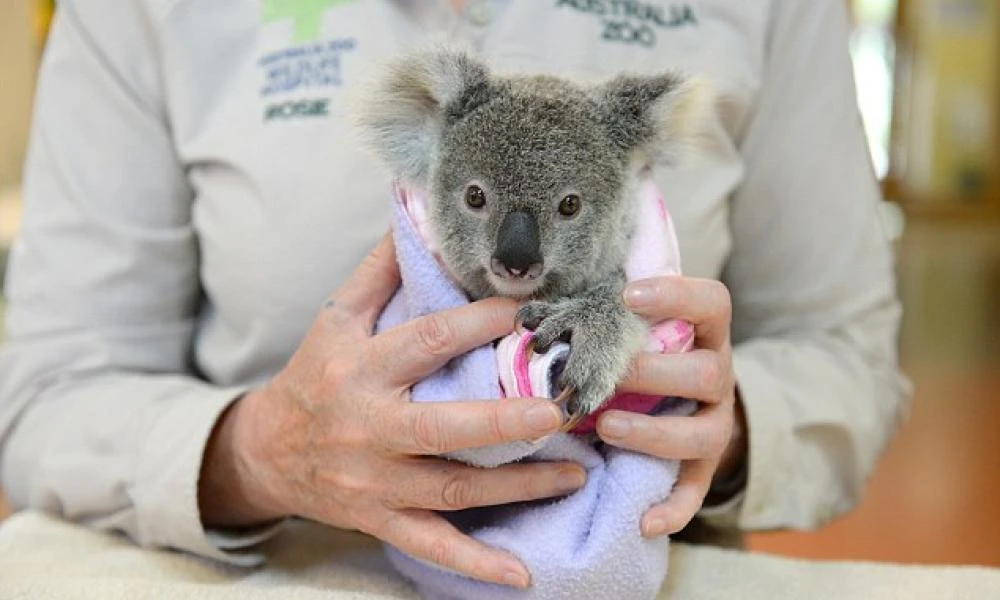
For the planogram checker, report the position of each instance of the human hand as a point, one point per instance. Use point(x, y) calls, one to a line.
point(711, 442)
point(334, 438)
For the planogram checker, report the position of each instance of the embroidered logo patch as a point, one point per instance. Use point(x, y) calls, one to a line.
point(306, 15)
point(633, 21)
point(309, 64)
point(315, 65)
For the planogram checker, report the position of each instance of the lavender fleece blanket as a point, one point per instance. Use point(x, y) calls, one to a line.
point(585, 545)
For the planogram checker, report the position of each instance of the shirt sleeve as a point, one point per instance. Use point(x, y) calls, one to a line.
point(102, 420)
point(815, 311)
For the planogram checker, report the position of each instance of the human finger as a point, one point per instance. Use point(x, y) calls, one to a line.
point(432, 428)
point(704, 375)
point(703, 435)
point(684, 501)
point(705, 303)
point(409, 352)
point(427, 536)
point(443, 485)
point(370, 286)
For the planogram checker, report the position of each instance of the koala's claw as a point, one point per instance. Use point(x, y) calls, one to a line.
point(566, 401)
point(601, 344)
point(575, 410)
point(532, 314)
point(556, 326)
point(544, 338)
point(541, 318)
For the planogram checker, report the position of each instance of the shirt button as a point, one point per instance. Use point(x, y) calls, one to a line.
point(479, 12)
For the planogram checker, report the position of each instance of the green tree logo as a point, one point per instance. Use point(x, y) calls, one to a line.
point(306, 15)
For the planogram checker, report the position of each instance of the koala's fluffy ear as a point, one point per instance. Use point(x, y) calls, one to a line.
point(404, 113)
point(658, 118)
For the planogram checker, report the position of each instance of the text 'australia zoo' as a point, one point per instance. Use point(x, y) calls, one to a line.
point(632, 21)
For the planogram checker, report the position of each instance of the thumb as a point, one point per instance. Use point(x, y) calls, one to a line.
point(371, 285)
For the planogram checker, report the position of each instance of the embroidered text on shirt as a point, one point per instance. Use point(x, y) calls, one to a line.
point(310, 66)
point(297, 108)
point(632, 21)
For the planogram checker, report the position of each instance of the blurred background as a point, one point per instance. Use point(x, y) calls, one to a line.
point(928, 76)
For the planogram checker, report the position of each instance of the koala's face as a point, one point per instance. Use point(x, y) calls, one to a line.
point(529, 177)
point(527, 192)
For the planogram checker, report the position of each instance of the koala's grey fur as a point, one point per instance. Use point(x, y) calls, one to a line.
point(442, 121)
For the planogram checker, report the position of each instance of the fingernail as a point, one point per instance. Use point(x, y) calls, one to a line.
point(639, 294)
point(516, 577)
point(613, 426)
point(655, 526)
point(570, 480)
point(542, 417)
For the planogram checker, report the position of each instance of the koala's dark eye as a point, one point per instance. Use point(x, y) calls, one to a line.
point(475, 197)
point(570, 205)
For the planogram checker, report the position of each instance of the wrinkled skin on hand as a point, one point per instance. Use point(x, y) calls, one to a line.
point(334, 438)
point(712, 442)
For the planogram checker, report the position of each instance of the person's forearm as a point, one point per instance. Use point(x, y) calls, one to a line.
point(119, 451)
point(229, 493)
point(822, 412)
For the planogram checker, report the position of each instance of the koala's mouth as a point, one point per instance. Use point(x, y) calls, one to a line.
point(516, 283)
point(528, 272)
point(516, 288)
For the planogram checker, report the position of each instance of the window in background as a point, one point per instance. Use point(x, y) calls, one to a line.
point(944, 150)
point(873, 53)
point(873, 50)
point(43, 19)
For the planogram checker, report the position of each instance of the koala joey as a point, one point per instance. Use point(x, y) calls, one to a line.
point(530, 182)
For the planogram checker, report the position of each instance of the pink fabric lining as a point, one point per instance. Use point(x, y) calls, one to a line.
point(521, 367)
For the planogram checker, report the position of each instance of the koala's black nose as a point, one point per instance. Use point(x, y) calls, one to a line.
point(518, 252)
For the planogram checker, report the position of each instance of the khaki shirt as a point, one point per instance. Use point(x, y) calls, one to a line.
point(194, 190)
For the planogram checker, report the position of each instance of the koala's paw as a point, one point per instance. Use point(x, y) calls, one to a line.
point(532, 314)
point(585, 374)
point(602, 344)
point(549, 321)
